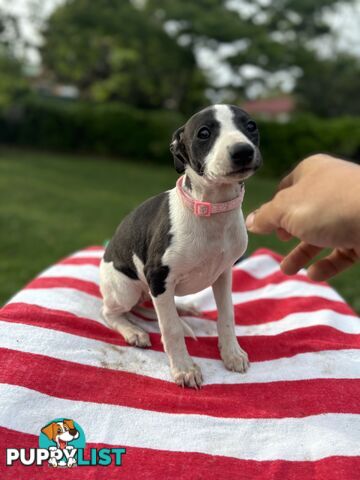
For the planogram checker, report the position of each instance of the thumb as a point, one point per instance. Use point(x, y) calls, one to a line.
point(264, 220)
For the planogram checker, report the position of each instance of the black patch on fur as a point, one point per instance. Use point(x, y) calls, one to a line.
point(129, 272)
point(187, 148)
point(187, 182)
point(156, 277)
point(177, 148)
point(240, 119)
point(145, 232)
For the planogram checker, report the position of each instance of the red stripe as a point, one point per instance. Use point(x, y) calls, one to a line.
point(80, 261)
point(254, 400)
point(271, 309)
point(243, 282)
point(65, 282)
point(263, 348)
point(143, 463)
point(259, 347)
point(256, 312)
point(57, 320)
point(248, 313)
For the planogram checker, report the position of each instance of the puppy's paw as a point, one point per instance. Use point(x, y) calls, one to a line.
point(137, 338)
point(71, 462)
point(53, 462)
point(235, 358)
point(188, 375)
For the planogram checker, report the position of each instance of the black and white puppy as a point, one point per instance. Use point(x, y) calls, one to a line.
point(186, 239)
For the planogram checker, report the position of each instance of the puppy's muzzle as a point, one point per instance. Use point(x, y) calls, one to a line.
point(241, 155)
point(244, 158)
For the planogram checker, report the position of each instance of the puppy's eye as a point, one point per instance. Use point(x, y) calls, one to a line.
point(251, 126)
point(204, 133)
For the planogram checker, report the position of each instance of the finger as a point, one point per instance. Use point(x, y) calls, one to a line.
point(264, 220)
point(298, 258)
point(336, 262)
point(283, 234)
point(286, 182)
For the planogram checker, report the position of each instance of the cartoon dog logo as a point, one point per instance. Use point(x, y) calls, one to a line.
point(61, 433)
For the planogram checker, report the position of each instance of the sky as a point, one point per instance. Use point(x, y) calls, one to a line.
point(24, 11)
point(345, 22)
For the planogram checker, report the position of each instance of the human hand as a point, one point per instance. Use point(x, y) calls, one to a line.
point(318, 203)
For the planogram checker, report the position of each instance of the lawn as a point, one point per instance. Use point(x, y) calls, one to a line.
point(53, 204)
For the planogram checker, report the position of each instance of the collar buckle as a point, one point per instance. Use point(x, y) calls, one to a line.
point(202, 209)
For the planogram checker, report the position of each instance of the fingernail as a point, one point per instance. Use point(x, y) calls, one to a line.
point(250, 220)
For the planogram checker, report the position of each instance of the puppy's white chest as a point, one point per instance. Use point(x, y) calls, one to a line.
point(203, 273)
point(202, 249)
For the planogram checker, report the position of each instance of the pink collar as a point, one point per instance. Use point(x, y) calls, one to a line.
point(205, 209)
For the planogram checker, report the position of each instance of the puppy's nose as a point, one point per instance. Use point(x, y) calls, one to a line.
point(241, 154)
point(73, 431)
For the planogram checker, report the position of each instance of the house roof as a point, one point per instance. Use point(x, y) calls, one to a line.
point(271, 106)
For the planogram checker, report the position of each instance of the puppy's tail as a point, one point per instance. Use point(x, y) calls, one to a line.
point(187, 329)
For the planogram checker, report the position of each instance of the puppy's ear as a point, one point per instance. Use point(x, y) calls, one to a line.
point(49, 431)
point(177, 148)
point(69, 423)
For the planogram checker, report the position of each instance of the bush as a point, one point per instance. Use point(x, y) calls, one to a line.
point(284, 144)
point(122, 131)
point(107, 129)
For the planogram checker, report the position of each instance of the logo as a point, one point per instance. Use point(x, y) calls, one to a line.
point(62, 437)
point(62, 444)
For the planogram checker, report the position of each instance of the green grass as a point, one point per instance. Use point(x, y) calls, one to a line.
point(53, 204)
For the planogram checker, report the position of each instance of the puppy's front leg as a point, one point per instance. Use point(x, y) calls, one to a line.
point(233, 356)
point(183, 370)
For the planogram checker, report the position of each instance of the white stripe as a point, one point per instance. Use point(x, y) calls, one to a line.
point(90, 273)
point(259, 266)
point(287, 289)
point(66, 300)
point(297, 439)
point(207, 328)
point(88, 254)
point(87, 351)
point(343, 323)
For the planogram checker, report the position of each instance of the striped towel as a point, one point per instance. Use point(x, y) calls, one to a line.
point(294, 415)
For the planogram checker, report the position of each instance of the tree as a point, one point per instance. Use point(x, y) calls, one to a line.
point(13, 84)
point(146, 52)
point(113, 51)
point(271, 37)
point(329, 87)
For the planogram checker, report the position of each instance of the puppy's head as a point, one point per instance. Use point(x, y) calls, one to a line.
point(220, 143)
point(59, 432)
